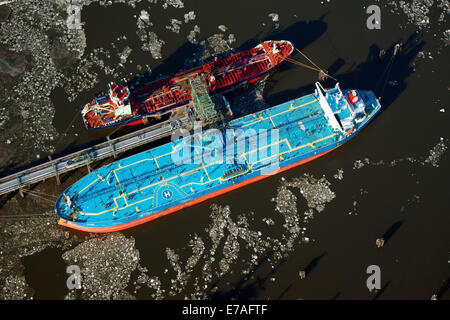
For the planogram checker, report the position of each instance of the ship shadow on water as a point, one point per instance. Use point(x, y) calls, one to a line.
point(392, 230)
point(368, 75)
point(250, 285)
point(378, 293)
point(247, 287)
point(301, 34)
point(189, 55)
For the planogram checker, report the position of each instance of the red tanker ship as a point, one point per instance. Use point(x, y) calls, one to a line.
point(129, 105)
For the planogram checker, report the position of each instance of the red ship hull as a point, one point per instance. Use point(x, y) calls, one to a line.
point(129, 105)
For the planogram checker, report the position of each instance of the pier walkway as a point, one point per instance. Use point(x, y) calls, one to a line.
point(111, 147)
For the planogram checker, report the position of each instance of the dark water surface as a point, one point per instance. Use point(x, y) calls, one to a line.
point(406, 203)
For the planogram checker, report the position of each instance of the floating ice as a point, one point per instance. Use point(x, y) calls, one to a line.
point(274, 16)
point(173, 3)
point(144, 16)
point(231, 38)
point(215, 45)
point(239, 239)
point(339, 175)
point(153, 44)
point(125, 54)
point(193, 33)
point(316, 192)
point(436, 153)
point(189, 16)
point(106, 265)
point(268, 221)
point(25, 237)
point(175, 25)
point(222, 28)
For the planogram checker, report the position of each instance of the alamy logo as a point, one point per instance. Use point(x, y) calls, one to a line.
point(247, 149)
point(74, 280)
point(374, 20)
point(74, 15)
point(374, 280)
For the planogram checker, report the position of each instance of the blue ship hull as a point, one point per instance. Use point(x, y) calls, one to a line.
point(168, 178)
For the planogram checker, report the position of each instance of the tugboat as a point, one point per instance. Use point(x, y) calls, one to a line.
point(130, 104)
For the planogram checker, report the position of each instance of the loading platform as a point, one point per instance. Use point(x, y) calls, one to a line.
point(86, 156)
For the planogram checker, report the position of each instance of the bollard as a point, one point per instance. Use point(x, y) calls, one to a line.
point(88, 165)
point(381, 55)
point(112, 146)
point(20, 187)
point(397, 48)
point(58, 182)
point(302, 275)
point(380, 242)
point(322, 75)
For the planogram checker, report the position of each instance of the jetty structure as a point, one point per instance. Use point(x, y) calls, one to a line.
point(200, 110)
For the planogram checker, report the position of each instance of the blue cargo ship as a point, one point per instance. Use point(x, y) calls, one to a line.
point(159, 181)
